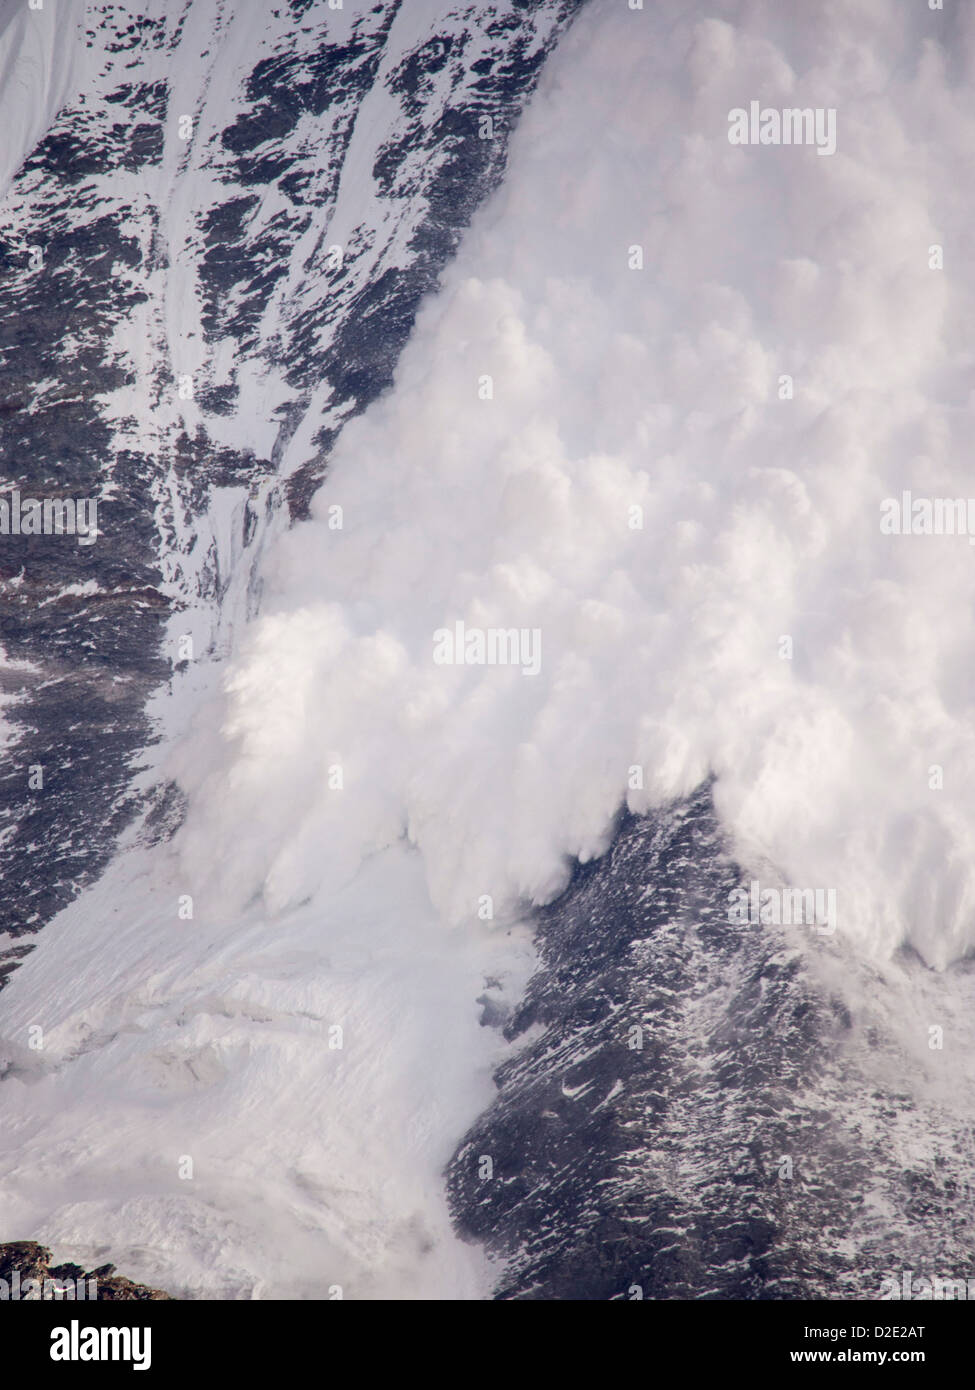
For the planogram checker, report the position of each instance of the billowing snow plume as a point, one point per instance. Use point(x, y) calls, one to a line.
point(616, 395)
point(608, 458)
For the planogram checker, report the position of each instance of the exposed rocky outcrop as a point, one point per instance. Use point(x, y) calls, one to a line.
point(24, 1260)
point(696, 1112)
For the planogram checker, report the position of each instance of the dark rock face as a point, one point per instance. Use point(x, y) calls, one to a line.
point(377, 128)
point(25, 1259)
point(692, 1115)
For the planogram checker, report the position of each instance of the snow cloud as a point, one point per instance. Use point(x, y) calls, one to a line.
point(653, 416)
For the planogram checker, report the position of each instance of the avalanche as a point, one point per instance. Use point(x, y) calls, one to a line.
point(205, 1039)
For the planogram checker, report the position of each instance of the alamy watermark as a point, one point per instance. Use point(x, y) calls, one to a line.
point(489, 646)
point(921, 1289)
point(17, 1290)
point(783, 907)
point(908, 515)
point(49, 516)
point(77, 1343)
point(794, 125)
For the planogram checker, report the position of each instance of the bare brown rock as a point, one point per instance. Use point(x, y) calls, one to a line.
point(24, 1260)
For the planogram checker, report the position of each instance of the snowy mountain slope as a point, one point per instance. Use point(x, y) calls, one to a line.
point(706, 1110)
point(238, 210)
point(277, 257)
point(657, 391)
point(614, 474)
point(41, 67)
point(241, 1107)
point(622, 385)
